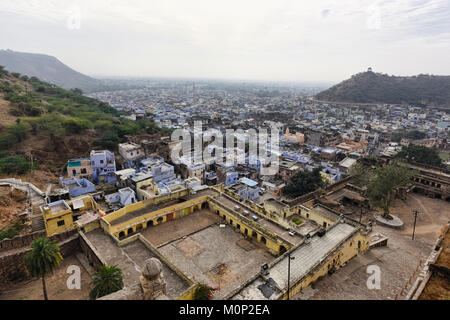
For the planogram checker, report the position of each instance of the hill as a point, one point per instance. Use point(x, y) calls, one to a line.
point(47, 68)
point(52, 124)
point(371, 87)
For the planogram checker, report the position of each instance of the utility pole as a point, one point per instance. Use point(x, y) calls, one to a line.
point(415, 218)
point(289, 274)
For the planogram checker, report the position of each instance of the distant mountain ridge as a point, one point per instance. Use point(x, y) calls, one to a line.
point(371, 87)
point(47, 68)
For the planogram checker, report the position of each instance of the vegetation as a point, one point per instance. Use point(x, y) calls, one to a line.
point(42, 259)
point(204, 292)
point(397, 136)
point(421, 154)
point(296, 220)
point(304, 182)
point(11, 231)
point(370, 87)
point(55, 112)
point(384, 181)
point(14, 164)
point(106, 280)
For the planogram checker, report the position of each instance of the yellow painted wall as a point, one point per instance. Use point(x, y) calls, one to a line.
point(272, 243)
point(347, 252)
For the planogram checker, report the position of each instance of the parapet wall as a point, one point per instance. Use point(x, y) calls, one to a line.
point(12, 262)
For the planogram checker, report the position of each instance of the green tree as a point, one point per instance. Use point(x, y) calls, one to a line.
point(304, 182)
point(420, 154)
point(18, 130)
point(42, 259)
point(385, 182)
point(106, 280)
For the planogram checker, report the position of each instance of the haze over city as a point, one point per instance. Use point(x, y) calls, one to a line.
point(321, 41)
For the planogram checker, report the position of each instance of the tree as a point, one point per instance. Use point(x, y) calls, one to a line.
point(304, 182)
point(18, 130)
point(106, 280)
point(42, 259)
point(420, 154)
point(204, 292)
point(385, 182)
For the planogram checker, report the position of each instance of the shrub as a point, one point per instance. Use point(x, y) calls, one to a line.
point(11, 231)
point(204, 292)
point(14, 164)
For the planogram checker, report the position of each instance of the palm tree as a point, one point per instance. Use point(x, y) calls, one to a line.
point(43, 258)
point(106, 280)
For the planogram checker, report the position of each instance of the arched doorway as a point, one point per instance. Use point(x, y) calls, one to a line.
point(130, 231)
point(159, 220)
point(282, 249)
point(149, 223)
point(263, 240)
point(121, 234)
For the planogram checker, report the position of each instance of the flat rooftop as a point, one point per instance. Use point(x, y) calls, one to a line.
point(218, 256)
point(130, 259)
point(306, 257)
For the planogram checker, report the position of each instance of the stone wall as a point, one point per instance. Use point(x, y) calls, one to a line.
point(23, 241)
point(12, 262)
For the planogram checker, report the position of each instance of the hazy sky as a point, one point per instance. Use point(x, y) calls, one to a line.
point(318, 40)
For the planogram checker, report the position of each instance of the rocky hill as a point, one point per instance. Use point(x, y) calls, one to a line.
point(47, 68)
point(49, 124)
point(371, 87)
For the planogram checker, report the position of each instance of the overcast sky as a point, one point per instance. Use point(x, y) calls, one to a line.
point(318, 40)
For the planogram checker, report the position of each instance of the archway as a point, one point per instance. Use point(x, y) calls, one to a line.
point(121, 234)
point(254, 234)
point(130, 231)
point(282, 249)
point(263, 240)
point(149, 223)
point(159, 220)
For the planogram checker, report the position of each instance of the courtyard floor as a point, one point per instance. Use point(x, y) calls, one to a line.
point(399, 262)
point(56, 285)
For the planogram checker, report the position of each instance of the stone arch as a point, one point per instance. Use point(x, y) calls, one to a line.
point(254, 234)
point(263, 240)
point(121, 234)
point(130, 231)
point(149, 223)
point(159, 220)
point(282, 249)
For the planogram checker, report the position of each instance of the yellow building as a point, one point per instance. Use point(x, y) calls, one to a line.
point(61, 215)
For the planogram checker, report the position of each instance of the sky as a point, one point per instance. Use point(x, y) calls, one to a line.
point(276, 40)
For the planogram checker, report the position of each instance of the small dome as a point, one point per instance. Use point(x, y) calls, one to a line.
point(152, 267)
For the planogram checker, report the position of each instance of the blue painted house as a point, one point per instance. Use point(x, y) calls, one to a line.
point(103, 166)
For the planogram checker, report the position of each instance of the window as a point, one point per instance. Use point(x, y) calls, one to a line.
point(101, 161)
point(74, 172)
point(61, 223)
point(83, 170)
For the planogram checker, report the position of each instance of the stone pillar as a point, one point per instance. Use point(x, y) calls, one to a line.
point(152, 280)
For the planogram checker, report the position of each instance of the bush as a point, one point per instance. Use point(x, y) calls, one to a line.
point(19, 131)
point(203, 292)
point(10, 232)
point(7, 141)
point(296, 220)
point(14, 164)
